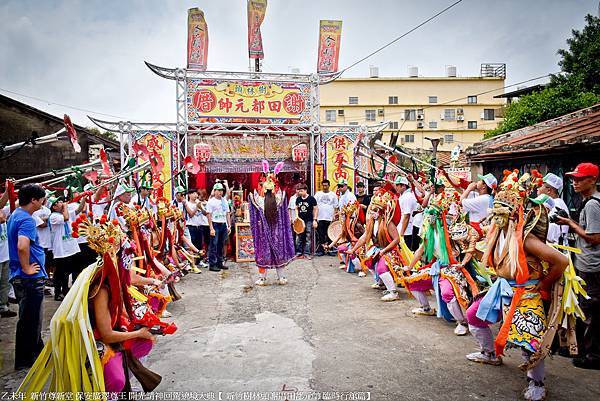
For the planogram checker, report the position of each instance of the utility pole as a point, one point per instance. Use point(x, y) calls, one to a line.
point(434, 143)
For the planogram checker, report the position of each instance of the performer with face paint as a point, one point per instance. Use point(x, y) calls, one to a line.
point(352, 219)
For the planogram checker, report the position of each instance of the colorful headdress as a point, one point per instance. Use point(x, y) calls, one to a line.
point(105, 237)
point(514, 190)
point(270, 183)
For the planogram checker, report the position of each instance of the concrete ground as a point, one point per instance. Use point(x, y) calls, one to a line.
point(326, 331)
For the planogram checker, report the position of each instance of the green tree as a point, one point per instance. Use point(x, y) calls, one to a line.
point(106, 134)
point(576, 87)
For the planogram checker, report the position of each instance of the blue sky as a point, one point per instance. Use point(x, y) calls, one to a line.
point(90, 53)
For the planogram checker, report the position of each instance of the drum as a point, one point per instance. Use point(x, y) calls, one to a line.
point(334, 230)
point(299, 226)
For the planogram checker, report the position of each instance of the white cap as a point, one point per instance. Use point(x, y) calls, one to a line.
point(554, 181)
point(121, 189)
point(401, 180)
point(489, 180)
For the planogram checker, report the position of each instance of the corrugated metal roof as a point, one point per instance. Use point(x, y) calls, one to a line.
point(580, 128)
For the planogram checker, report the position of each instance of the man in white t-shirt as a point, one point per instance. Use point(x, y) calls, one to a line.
point(478, 207)
point(552, 186)
point(219, 221)
point(123, 195)
point(4, 263)
point(346, 195)
point(64, 247)
point(408, 205)
point(143, 198)
point(327, 203)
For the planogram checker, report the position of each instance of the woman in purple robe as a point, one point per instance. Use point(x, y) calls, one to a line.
point(271, 231)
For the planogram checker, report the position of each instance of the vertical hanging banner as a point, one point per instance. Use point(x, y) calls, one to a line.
point(256, 16)
point(330, 35)
point(339, 151)
point(161, 147)
point(197, 42)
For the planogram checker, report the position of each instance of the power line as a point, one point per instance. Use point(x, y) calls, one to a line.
point(62, 105)
point(403, 35)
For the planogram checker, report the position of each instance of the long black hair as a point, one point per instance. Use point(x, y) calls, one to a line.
point(270, 208)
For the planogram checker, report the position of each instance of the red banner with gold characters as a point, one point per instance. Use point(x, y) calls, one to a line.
point(232, 101)
point(161, 146)
point(256, 16)
point(339, 151)
point(197, 42)
point(330, 35)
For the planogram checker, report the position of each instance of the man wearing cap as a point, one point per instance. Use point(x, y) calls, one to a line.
point(361, 195)
point(477, 207)
point(408, 204)
point(143, 198)
point(219, 222)
point(122, 195)
point(552, 187)
point(346, 195)
point(587, 263)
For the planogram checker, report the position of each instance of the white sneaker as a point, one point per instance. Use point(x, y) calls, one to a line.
point(422, 311)
point(361, 274)
point(535, 391)
point(282, 281)
point(261, 282)
point(377, 286)
point(461, 330)
point(489, 358)
point(342, 266)
point(390, 296)
point(166, 314)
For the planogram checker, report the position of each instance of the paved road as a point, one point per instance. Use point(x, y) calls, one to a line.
point(327, 331)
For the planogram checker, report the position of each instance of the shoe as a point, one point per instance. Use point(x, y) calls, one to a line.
point(424, 312)
point(361, 274)
point(223, 267)
point(390, 296)
point(203, 264)
point(261, 282)
point(58, 297)
point(489, 358)
point(461, 330)
point(377, 286)
point(332, 253)
point(585, 363)
point(8, 313)
point(282, 281)
point(196, 270)
point(320, 253)
point(299, 256)
point(535, 391)
point(166, 314)
point(12, 300)
point(342, 266)
point(48, 291)
point(214, 269)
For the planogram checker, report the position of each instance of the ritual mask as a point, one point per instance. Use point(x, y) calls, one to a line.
point(459, 231)
point(500, 215)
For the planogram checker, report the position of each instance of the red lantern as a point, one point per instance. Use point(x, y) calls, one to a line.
point(202, 152)
point(300, 152)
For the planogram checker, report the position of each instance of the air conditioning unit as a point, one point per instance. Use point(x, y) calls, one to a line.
point(340, 112)
point(460, 111)
point(380, 112)
point(460, 118)
point(442, 116)
point(482, 115)
point(420, 125)
point(420, 117)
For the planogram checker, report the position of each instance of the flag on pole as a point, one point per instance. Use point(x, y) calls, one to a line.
point(330, 34)
point(197, 42)
point(256, 15)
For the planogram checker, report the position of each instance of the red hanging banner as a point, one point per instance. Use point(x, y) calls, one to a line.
point(256, 15)
point(197, 42)
point(330, 35)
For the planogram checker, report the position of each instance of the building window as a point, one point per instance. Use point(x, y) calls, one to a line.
point(353, 100)
point(393, 124)
point(488, 114)
point(472, 125)
point(394, 139)
point(432, 99)
point(370, 115)
point(449, 114)
point(410, 114)
point(393, 100)
point(353, 123)
point(432, 124)
point(448, 138)
point(472, 99)
point(409, 138)
point(330, 115)
point(341, 112)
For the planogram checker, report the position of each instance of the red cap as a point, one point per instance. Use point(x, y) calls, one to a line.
point(585, 170)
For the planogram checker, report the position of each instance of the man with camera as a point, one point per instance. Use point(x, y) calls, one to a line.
point(552, 187)
point(587, 263)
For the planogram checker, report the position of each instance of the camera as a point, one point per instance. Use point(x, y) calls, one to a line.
point(553, 217)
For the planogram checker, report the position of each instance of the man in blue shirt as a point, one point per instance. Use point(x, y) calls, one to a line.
point(27, 274)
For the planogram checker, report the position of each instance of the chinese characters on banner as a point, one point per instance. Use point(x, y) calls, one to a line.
point(197, 42)
point(339, 151)
point(159, 145)
point(330, 35)
point(224, 99)
point(256, 15)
